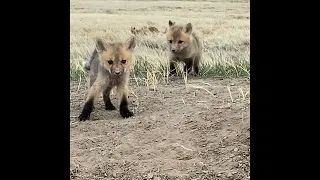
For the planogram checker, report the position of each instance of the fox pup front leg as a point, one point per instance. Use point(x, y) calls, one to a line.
point(94, 91)
point(172, 68)
point(88, 106)
point(196, 63)
point(106, 99)
point(172, 65)
point(92, 79)
point(124, 111)
point(188, 65)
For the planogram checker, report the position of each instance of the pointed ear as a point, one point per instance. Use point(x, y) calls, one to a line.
point(171, 23)
point(99, 45)
point(130, 44)
point(188, 28)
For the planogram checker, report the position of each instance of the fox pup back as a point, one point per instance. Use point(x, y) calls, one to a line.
point(144, 30)
point(184, 46)
point(109, 66)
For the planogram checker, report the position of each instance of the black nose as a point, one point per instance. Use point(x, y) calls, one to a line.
point(173, 50)
point(117, 73)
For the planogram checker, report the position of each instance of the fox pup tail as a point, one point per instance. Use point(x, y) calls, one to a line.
point(86, 65)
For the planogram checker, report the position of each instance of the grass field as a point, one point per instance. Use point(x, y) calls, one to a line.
point(184, 127)
point(224, 25)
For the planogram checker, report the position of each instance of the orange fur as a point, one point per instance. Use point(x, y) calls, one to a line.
point(110, 67)
point(184, 46)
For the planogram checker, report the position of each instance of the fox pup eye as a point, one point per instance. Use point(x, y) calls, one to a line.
point(123, 61)
point(110, 61)
point(180, 42)
point(170, 41)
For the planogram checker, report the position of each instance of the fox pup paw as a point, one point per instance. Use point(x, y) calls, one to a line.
point(172, 73)
point(110, 107)
point(86, 111)
point(194, 74)
point(125, 113)
point(84, 116)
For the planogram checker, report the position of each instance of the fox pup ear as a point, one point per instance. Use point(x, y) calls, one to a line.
point(188, 28)
point(130, 44)
point(99, 45)
point(171, 23)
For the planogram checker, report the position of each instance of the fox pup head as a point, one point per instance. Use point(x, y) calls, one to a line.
point(116, 57)
point(178, 37)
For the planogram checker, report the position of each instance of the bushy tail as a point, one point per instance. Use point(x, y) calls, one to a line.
point(86, 65)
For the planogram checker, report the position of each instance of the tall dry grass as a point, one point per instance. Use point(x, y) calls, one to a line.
point(223, 24)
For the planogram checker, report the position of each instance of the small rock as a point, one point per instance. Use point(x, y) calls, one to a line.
point(114, 174)
point(229, 175)
point(232, 84)
point(235, 149)
point(152, 89)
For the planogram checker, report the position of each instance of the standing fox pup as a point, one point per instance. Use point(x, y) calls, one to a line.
point(184, 46)
point(109, 66)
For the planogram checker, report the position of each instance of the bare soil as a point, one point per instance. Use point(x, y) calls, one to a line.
point(176, 133)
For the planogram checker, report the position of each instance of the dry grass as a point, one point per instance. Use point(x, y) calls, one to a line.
point(224, 25)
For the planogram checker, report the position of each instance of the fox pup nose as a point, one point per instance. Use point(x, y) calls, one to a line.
point(173, 50)
point(117, 72)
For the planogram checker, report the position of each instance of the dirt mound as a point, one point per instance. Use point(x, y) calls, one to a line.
point(175, 133)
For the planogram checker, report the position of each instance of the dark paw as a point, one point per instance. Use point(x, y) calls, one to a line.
point(126, 113)
point(84, 116)
point(187, 70)
point(172, 73)
point(86, 111)
point(194, 73)
point(110, 107)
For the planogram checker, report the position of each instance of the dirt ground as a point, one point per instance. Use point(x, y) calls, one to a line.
point(176, 133)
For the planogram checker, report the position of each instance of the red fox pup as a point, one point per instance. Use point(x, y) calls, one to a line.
point(184, 46)
point(109, 66)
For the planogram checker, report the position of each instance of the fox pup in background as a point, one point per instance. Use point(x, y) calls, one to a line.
point(109, 66)
point(144, 30)
point(184, 46)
